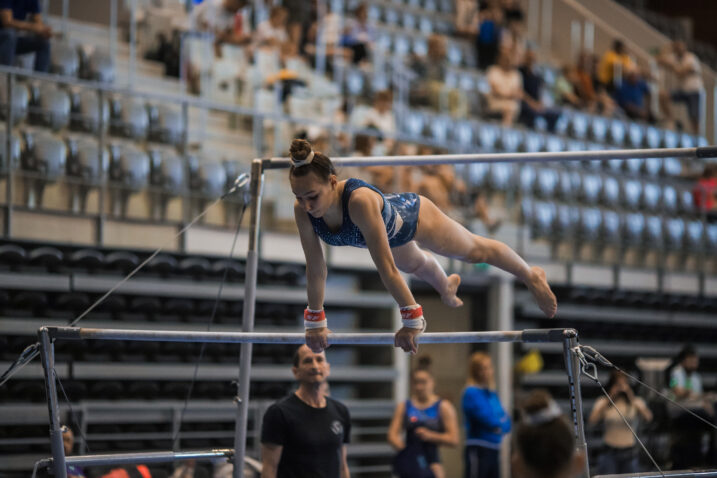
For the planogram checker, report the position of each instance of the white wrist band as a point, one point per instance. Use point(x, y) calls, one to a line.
point(315, 325)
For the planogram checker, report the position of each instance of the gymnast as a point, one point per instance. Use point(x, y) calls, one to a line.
point(391, 227)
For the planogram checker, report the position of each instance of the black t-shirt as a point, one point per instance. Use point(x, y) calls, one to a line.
point(311, 438)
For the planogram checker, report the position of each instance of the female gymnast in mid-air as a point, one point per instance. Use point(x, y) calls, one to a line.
point(391, 227)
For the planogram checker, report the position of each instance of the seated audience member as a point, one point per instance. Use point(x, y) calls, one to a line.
point(330, 25)
point(544, 441)
point(613, 65)
point(591, 93)
point(68, 442)
point(506, 90)
point(688, 431)
point(531, 107)
point(381, 117)
point(303, 16)
point(489, 34)
point(467, 17)
point(272, 33)
point(633, 96)
point(687, 67)
point(359, 35)
point(430, 88)
point(513, 42)
point(564, 89)
point(620, 452)
point(23, 31)
point(705, 192)
point(289, 75)
point(512, 10)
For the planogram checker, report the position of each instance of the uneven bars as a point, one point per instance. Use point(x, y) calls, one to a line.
point(528, 336)
point(701, 152)
point(142, 457)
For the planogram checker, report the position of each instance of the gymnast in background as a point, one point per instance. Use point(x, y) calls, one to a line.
point(355, 213)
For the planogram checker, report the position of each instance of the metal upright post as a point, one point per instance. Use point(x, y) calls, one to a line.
point(8, 157)
point(104, 170)
point(132, 43)
point(47, 353)
point(572, 367)
point(252, 259)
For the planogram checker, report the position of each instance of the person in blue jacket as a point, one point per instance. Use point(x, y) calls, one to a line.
point(486, 420)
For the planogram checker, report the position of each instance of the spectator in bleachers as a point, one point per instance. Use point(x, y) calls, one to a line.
point(489, 34)
point(705, 192)
point(467, 17)
point(687, 67)
point(23, 31)
point(332, 37)
point(68, 442)
point(486, 420)
point(305, 434)
point(272, 32)
point(544, 441)
point(614, 63)
point(564, 88)
point(633, 96)
point(512, 10)
point(223, 18)
point(687, 431)
point(506, 90)
point(430, 89)
point(532, 107)
point(301, 19)
point(359, 35)
point(619, 453)
point(428, 422)
point(592, 94)
point(288, 75)
point(381, 117)
point(513, 42)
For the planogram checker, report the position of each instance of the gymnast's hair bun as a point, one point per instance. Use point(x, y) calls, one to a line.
point(424, 363)
point(300, 152)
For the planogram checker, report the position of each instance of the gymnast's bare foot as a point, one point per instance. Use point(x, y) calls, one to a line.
point(538, 286)
point(449, 297)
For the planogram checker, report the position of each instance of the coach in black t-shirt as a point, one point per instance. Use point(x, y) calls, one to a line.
point(304, 435)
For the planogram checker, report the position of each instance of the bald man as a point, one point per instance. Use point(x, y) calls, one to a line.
point(305, 434)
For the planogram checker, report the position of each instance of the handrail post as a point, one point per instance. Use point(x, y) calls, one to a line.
point(9, 186)
point(47, 353)
point(572, 367)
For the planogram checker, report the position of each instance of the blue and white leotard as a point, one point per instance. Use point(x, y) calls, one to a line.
point(400, 215)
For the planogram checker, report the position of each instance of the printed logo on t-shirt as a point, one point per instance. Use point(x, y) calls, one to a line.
point(337, 428)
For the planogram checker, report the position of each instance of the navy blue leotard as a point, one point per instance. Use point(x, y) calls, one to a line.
point(405, 205)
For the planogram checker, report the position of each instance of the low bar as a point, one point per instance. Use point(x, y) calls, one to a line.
point(669, 474)
point(528, 336)
point(701, 152)
point(144, 458)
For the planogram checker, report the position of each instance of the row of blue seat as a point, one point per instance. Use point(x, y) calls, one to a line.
point(566, 222)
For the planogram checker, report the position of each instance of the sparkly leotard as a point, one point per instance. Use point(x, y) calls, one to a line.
point(405, 206)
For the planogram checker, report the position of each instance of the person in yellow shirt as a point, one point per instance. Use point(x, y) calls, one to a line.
point(617, 55)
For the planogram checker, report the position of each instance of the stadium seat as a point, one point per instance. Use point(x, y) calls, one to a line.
point(533, 142)
point(99, 67)
point(488, 136)
point(46, 256)
point(207, 178)
point(414, 124)
point(554, 144)
point(46, 159)
point(439, 126)
point(167, 178)
point(233, 268)
point(76, 302)
point(617, 132)
point(463, 133)
point(15, 149)
point(652, 166)
point(631, 193)
point(578, 126)
point(654, 232)
point(12, 254)
point(590, 224)
point(20, 102)
point(84, 162)
point(89, 259)
point(478, 174)
point(510, 140)
point(163, 264)
point(634, 229)
point(569, 185)
point(670, 139)
point(195, 266)
point(633, 165)
point(547, 183)
point(129, 118)
point(166, 125)
point(671, 167)
point(52, 108)
point(687, 141)
point(611, 227)
point(686, 202)
point(610, 195)
point(129, 171)
point(598, 129)
point(526, 179)
point(501, 176)
point(651, 193)
point(695, 237)
point(652, 138)
point(567, 220)
point(64, 59)
point(591, 185)
point(635, 135)
point(711, 238)
point(122, 260)
point(86, 112)
point(545, 217)
point(178, 306)
point(669, 199)
point(674, 233)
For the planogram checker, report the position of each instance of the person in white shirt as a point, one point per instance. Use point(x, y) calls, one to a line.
point(687, 67)
point(506, 90)
point(381, 117)
point(272, 32)
point(221, 18)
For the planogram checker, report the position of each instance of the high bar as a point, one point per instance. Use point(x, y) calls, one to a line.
point(701, 152)
point(530, 335)
point(143, 457)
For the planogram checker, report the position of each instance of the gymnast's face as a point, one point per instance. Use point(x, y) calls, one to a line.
point(313, 368)
point(422, 384)
point(314, 195)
